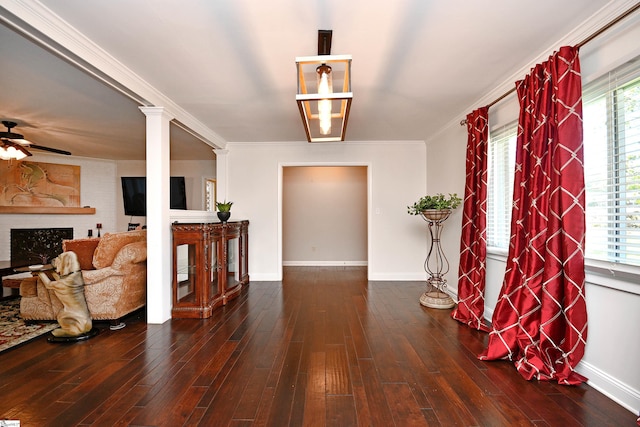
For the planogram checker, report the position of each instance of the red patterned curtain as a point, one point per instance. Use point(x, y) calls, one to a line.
point(473, 243)
point(540, 320)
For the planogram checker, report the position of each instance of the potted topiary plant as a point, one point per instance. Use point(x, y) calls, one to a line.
point(435, 208)
point(224, 210)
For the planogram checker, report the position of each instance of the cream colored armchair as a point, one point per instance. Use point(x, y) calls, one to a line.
point(114, 269)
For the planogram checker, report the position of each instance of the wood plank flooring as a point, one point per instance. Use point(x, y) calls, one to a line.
point(324, 347)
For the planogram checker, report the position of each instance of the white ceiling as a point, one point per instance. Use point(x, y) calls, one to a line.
point(228, 67)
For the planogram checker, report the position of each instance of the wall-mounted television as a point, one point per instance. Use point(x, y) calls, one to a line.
point(134, 194)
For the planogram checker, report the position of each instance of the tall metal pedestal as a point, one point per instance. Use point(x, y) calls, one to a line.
point(436, 264)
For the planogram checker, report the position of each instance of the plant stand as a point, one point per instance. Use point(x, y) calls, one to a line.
point(436, 264)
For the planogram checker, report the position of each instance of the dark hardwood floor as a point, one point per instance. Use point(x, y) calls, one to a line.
point(324, 347)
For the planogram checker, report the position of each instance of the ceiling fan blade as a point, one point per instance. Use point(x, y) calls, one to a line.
point(53, 150)
point(18, 140)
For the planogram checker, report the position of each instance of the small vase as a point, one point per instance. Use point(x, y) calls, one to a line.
point(224, 216)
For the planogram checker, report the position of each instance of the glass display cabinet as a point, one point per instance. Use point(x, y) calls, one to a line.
point(210, 266)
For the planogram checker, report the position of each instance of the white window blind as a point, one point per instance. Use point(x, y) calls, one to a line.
point(611, 117)
point(501, 164)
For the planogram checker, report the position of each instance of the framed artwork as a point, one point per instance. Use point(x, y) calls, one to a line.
point(34, 184)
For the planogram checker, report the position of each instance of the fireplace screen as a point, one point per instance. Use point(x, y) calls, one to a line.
point(37, 245)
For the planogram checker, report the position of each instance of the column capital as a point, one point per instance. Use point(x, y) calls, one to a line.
point(155, 111)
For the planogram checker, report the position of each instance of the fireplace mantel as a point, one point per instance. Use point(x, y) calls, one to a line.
point(46, 210)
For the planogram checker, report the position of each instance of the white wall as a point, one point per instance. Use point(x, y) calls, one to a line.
point(97, 189)
point(193, 171)
point(396, 178)
point(613, 304)
point(334, 201)
point(446, 175)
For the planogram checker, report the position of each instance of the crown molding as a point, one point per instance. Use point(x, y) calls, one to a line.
point(39, 24)
point(598, 20)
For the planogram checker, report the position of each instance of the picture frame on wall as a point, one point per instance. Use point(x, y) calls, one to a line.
point(38, 184)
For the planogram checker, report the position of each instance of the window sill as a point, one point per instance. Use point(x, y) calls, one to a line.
point(620, 277)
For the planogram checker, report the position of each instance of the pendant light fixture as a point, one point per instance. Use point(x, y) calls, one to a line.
point(324, 112)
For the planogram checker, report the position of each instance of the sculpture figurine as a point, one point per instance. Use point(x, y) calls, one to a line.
point(74, 318)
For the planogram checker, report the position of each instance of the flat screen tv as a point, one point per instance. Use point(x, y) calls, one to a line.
point(134, 194)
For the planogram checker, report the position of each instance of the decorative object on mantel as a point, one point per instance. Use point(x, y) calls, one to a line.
point(224, 210)
point(99, 227)
point(435, 210)
point(40, 185)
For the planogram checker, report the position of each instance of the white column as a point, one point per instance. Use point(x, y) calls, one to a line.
point(221, 174)
point(159, 263)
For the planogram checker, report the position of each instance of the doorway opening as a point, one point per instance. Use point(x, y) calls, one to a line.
point(324, 215)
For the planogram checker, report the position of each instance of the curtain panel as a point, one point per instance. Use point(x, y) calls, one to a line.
point(473, 241)
point(540, 320)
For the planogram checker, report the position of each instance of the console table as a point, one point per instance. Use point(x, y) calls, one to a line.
point(210, 266)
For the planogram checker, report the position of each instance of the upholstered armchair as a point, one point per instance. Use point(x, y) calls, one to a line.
point(114, 269)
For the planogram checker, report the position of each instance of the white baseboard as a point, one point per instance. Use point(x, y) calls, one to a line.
point(611, 387)
point(264, 277)
point(324, 263)
point(404, 277)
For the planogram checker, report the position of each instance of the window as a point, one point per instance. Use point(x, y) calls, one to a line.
point(501, 164)
point(611, 120)
point(611, 115)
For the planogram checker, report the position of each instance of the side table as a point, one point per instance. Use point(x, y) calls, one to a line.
point(6, 269)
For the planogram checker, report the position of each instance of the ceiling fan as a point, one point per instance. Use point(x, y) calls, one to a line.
point(12, 142)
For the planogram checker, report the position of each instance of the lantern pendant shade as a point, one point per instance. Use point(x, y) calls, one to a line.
point(324, 111)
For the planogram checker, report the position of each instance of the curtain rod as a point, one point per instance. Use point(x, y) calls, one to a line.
point(463, 122)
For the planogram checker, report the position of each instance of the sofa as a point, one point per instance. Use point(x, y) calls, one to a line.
point(114, 270)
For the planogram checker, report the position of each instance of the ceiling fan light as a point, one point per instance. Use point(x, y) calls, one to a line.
point(10, 151)
point(9, 138)
point(15, 153)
